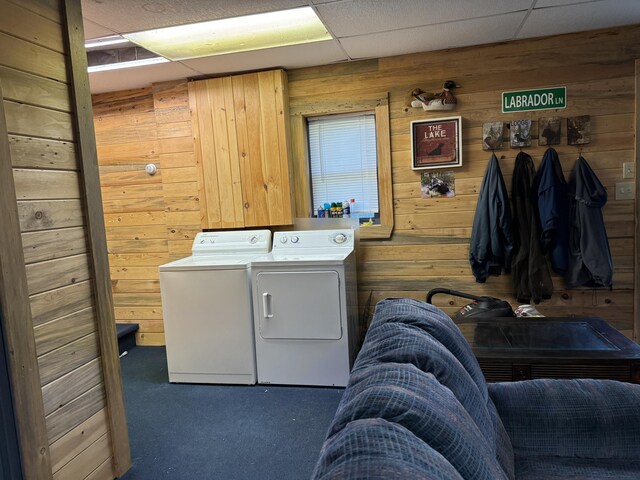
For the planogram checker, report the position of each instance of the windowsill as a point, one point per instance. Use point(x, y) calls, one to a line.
point(375, 232)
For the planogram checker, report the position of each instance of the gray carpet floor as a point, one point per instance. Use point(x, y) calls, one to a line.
point(180, 431)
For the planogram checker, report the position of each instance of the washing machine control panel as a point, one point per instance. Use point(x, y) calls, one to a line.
point(222, 243)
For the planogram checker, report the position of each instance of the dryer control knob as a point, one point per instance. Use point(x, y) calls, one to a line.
point(295, 239)
point(283, 239)
point(340, 238)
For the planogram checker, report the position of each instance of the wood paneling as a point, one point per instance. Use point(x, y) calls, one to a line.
point(64, 330)
point(242, 148)
point(59, 302)
point(17, 326)
point(45, 215)
point(117, 443)
point(58, 290)
point(78, 410)
point(31, 152)
point(26, 88)
point(430, 244)
point(41, 246)
point(146, 216)
point(133, 201)
point(61, 361)
point(65, 389)
point(75, 441)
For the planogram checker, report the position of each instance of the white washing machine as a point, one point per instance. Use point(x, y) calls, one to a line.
point(306, 308)
point(207, 308)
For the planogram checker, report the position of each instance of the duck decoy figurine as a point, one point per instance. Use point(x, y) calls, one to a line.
point(444, 100)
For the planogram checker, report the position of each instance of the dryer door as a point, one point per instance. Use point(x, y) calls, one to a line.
point(301, 305)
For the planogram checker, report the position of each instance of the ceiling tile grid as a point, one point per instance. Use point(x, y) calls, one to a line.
point(361, 29)
point(434, 37)
point(361, 17)
point(579, 17)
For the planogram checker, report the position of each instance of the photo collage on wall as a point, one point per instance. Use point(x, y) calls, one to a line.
point(549, 132)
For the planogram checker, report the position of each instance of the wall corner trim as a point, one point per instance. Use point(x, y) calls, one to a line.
point(86, 141)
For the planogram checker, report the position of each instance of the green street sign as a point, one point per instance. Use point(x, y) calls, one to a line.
point(541, 99)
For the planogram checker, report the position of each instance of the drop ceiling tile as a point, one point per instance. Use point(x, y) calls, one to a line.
point(434, 37)
point(360, 17)
point(576, 18)
point(293, 56)
point(137, 77)
point(558, 3)
point(125, 16)
point(93, 30)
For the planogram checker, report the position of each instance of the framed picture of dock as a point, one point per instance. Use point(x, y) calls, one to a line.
point(436, 143)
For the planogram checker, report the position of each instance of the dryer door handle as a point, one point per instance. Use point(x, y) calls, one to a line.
point(266, 305)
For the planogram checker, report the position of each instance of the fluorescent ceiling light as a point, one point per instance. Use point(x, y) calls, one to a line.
point(134, 63)
point(105, 41)
point(238, 34)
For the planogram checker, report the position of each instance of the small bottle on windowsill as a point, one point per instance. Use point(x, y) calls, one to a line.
point(346, 209)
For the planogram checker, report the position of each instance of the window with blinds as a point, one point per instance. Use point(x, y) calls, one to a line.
point(343, 162)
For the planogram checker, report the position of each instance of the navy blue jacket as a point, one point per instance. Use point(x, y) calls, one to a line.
point(553, 211)
point(589, 254)
point(491, 246)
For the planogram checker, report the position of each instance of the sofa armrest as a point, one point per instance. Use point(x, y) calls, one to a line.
point(571, 418)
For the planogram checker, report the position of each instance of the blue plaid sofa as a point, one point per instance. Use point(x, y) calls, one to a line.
point(417, 407)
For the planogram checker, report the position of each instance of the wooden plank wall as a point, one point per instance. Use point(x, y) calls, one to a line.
point(430, 244)
point(150, 220)
point(38, 105)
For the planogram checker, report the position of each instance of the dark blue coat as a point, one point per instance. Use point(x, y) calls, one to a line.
point(553, 210)
point(589, 254)
point(491, 246)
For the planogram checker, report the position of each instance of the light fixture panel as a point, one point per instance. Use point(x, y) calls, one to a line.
point(230, 35)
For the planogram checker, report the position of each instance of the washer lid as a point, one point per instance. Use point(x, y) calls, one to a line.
point(210, 262)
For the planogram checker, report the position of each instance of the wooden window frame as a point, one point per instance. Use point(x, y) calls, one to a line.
point(379, 104)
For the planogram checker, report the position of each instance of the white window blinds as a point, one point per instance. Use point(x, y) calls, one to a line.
point(343, 157)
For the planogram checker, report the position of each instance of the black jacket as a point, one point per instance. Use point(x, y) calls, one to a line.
point(553, 211)
point(589, 255)
point(491, 236)
point(529, 269)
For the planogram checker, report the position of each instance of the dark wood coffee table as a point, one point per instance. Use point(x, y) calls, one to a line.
point(510, 349)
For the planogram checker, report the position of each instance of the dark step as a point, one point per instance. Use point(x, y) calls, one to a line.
point(126, 336)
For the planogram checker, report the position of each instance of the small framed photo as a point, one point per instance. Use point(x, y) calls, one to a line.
point(520, 133)
point(493, 135)
point(579, 130)
point(436, 143)
point(549, 131)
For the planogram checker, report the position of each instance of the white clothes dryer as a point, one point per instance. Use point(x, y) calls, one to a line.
point(207, 308)
point(306, 308)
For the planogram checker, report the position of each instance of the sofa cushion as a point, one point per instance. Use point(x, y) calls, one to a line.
point(413, 336)
point(405, 344)
point(373, 449)
point(571, 418)
point(418, 402)
point(571, 468)
point(437, 323)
